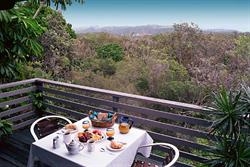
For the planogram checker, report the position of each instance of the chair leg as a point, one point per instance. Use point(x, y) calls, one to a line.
point(169, 157)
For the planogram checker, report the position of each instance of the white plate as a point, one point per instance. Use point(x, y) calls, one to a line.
point(112, 149)
point(103, 138)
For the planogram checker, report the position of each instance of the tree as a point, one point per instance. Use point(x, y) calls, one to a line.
point(19, 35)
point(62, 3)
point(18, 40)
point(112, 50)
point(9, 4)
point(57, 42)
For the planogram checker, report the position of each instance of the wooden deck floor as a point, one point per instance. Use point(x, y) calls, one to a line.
point(15, 150)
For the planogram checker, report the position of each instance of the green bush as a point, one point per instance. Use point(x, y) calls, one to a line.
point(5, 128)
point(142, 84)
point(184, 91)
point(243, 45)
point(105, 66)
point(112, 50)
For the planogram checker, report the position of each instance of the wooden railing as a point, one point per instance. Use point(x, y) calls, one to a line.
point(184, 125)
point(16, 103)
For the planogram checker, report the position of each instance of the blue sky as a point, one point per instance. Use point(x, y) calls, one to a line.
point(207, 14)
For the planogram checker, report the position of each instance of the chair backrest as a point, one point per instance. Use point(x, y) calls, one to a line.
point(172, 157)
point(47, 125)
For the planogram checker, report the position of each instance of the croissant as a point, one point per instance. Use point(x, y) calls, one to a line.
point(115, 145)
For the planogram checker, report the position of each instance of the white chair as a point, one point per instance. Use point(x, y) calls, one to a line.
point(49, 126)
point(171, 159)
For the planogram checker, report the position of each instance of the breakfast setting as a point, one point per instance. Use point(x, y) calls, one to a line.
point(98, 127)
point(101, 137)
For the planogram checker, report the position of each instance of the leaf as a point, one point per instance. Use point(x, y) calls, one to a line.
point(5, 16)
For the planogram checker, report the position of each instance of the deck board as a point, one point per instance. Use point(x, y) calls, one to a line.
point(15, 151)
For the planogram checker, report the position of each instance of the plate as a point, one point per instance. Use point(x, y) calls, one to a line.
point(112, 149)
point(103, 137)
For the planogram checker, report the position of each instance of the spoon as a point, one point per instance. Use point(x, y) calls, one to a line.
point(104, 150)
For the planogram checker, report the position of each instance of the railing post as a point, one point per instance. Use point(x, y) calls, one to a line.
point(115, 99)
point(38, 100)
point(39, 86)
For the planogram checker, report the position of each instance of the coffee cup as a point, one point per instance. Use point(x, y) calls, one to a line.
point(90, 145)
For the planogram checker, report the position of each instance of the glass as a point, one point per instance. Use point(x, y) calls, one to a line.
point(110, 132)
point(85, 125)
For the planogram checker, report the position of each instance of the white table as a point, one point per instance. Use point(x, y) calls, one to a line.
point(43, 150)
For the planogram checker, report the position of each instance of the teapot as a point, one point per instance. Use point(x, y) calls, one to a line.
point(74, 147)
point(125, 124)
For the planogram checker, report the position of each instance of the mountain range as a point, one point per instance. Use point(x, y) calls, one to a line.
point(138, 30)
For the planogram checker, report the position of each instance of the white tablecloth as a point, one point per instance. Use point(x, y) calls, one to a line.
point(43, 151)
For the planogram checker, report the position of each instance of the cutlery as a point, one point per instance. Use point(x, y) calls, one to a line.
point(105, 150)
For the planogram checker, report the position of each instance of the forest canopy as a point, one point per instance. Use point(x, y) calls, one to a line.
point(184, 65)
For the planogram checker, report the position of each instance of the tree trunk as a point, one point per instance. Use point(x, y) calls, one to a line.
point(42, 3)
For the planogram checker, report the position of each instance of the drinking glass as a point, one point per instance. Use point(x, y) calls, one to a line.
point(85, 125)
point(110, 132)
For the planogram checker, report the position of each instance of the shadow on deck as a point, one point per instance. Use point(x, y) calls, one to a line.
point(15, 150)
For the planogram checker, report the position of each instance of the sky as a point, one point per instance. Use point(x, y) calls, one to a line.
point(207, 14)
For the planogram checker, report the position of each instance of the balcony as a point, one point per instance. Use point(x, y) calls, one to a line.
point(184, 125)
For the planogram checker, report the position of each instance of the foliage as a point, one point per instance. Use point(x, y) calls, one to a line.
point(37, 100)
point(10, 3)
point(231, 153)
point(32, 70)
point(5, 128)
point(230, 116)
point(184, 91)
point(70, 31)
point(243, 45)
point(185, 42)
point(57, 3)
point(19, 43)
point(232, 148)
point(112, 50)
point(57, 43)
point(245, 100)
point(161, 65)
point(142, 84)
point(106, 66)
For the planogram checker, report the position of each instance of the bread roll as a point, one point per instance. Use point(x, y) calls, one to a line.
point(115, 145)
point(70, 127)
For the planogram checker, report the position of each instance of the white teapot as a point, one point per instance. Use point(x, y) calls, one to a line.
point(74, 147)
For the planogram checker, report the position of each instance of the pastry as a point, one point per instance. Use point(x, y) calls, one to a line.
point(115, 145)
point(70, 127)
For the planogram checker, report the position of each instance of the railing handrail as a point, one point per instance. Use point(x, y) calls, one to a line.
point(168, 103)
point(17, 83)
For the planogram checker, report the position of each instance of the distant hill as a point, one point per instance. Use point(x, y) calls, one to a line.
point(128, 30)
point(139, 30)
